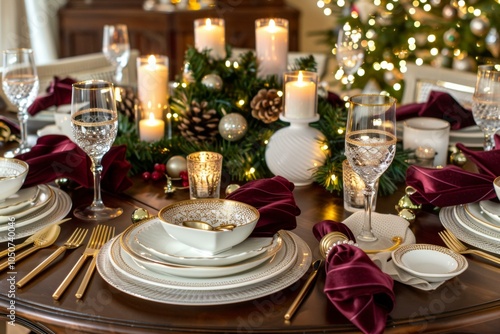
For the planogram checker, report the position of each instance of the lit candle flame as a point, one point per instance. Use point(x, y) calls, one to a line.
point(208, 23)
point(152, 62)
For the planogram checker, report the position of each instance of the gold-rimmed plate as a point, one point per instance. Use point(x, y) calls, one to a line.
point(43, 197)
point(20, 200)
point(475, 212)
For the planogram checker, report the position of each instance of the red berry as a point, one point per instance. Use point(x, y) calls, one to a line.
point(185, 183)
point(160, 168)
point(146, 176)
point(156, 175)
point(183, 175)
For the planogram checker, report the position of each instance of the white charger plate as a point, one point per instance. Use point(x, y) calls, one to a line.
point(473, 226)
point(150, 236)
point(37, 220)
point(44, 197)
point(19, 200)
point(450, 221)
point(475, 212)
point(124, 264)
point(145, 290)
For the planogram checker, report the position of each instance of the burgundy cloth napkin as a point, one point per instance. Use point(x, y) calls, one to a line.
point(58, 93)
point(439, 105)
point(273, 197)
point(56, 156)
point(452, 185)
point(354, 284)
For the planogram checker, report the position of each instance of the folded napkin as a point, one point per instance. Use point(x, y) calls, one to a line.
point(452, 185)
point(56, 156)
point(273, 197)
point(439, 105)
point(58, 93)
point(354, 284)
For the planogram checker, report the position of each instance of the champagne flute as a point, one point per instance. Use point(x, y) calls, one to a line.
point(20, 84)
point(486, 103)
point(94, 121)
point(370, 146)
point(350, 52)
point(116, 48)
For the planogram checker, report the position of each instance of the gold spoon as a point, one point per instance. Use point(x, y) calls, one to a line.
point(201, 225)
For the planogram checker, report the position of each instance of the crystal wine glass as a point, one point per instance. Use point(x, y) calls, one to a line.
point(370, 146)
point(20, 84)
point(486, 103)
point(94, 122)
point(116, 48)
point(350, 53)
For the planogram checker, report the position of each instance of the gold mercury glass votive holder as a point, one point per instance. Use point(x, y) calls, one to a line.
point(354, 198)
point(204, 174)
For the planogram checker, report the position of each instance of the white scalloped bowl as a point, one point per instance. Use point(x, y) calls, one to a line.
point(215, 212)
point(13, 172)
point(429, 262)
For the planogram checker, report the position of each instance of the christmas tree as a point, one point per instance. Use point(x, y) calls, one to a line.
point(458, 34)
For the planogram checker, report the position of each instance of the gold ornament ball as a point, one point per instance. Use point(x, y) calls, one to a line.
point(175, 165)
point(139, 214)
point(232, 187)
point(408, 215)
point(212, 81)
point(458, 158)
point(233, 127)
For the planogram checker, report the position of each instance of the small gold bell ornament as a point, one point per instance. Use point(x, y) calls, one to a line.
point(406, 208)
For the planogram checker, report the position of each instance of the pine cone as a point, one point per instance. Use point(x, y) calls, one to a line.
point(198, 123)
point(127, 103)
point(266, 105)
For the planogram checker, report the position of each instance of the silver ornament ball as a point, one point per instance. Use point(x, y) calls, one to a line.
point(480, 26)
point(233, 127)
point(212, 81)
point(175, 165)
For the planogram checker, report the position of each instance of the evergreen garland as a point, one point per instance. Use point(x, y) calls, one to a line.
point(244, 159)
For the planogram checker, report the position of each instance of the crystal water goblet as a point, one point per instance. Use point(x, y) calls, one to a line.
point(20, 84)
point(486, 103)
point(116, 48)
point(350, 52)
point(370, 146)
point(94, 122)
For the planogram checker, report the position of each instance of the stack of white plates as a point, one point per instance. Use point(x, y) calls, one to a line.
point(31, 209)
point(475, 223)
point(146, 262)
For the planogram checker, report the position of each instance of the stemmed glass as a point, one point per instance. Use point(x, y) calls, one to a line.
point(94, 122)
point(350, 52)
point(116, 48)
point(370, 146)
point(486, 103)
point(20, 84)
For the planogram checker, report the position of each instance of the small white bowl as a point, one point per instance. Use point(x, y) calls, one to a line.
point(215, 212)
point(496, 185)
point(429, 262)
point(13, 172)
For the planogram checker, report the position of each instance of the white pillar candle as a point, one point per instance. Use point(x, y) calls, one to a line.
point(152, 83)
point(151, 129)
point(300, 95)
point(209, 34)
point(271, 40)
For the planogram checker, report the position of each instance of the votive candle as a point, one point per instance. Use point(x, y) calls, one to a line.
point(151, 129)
point(152, 83)
point(300, 95)
point(271, 41)
point(209, 33)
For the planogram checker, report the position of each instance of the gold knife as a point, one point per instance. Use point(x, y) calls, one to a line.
point(30, 240)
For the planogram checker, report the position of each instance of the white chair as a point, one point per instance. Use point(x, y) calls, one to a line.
point(421, 80)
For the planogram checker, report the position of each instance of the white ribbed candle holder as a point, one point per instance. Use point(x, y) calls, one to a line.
point(294, 152)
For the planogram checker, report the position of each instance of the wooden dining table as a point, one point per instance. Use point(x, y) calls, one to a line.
point(468, 303)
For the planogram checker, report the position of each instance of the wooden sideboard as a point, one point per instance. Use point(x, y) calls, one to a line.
point(161, 32)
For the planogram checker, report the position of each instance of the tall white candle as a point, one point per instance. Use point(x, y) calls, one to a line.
point(152, 82)
point(271, 40)
point(209, 34)
point(151, 129)
point(300, 95)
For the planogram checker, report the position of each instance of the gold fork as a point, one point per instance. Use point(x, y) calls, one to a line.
point(92, 247)
point(453, 243)
point(74, 241)
point(45, 239)
point(105, 236)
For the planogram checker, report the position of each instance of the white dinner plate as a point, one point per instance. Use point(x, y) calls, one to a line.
point(145, 290)
point(475, 212)
point(19, 200)
point(43, 198)
point(124, 263)
point(150, 236)
point(474, 226)
point(492, 209)
point(449, 221)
